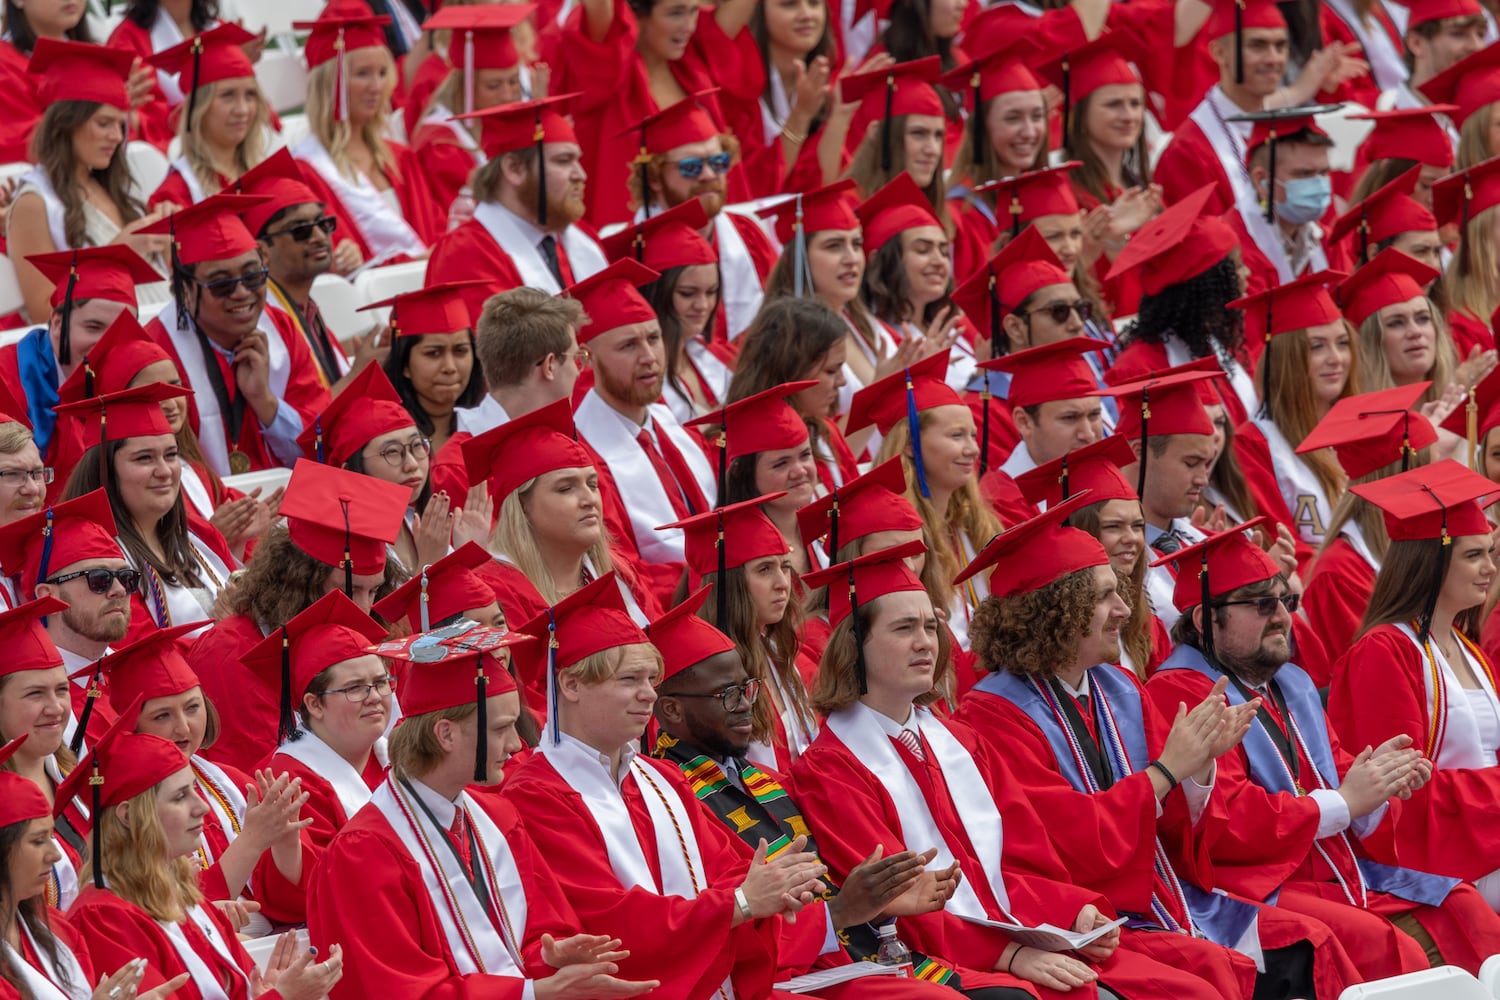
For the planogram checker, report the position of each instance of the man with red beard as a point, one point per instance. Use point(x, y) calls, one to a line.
point(691, 158)
point(662, 475)
point(529, 194)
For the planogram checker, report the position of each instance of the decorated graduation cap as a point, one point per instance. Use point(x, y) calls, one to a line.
point(280, 182)
point(1462, 195)
point(871, 576)
point(1390, 278)
point(684, 639)
point(1037, 552)
point(1385, 214)
point(1268, 128)
point(611, 298)
point(433, 309)
point(1425, 11)
point(1023, 266)
point(1373, 429)
point(343, 519)
point(1296, 305)
point(761, 422)
point(342, 27)
point(1409, 134)
point(1437, 502)
point(108, 272)
point(1049, 372)
point(510, 128)
point(1470, 83)
point(1219, 564)
point(34, 548)
point(329, 631)
point(78, 71)
point(692, 119)
point(481, 38)
point(1081, 70)
point(795, 218)
point(1234, 17)
point(446, 588)
point(21, 799)
point(728, 537)
point(366, 408)
point(1027, 197)
point(875, 501)
point(208, 57)
point(151, 666)
point(1162, 405)
point(1176, 246)
point(673, 238)
point(902, 396)
point(519, 450)
point(128, 413)
point(985, 78)
point(452, 666)
point(122, 765)
point(898, 206)
point(1094, 467)
point(114, 361)
point(587, 621)
point(903, 89)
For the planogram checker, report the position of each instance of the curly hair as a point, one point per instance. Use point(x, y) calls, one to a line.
point(658, 164)
point(1194, 311)
point(1035, 633)
point(281, 581)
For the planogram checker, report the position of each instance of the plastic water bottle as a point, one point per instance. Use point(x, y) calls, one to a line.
point(892, 952)
point(462, 209)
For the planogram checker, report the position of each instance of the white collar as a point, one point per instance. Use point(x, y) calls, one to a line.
point(627, 754)
point(529, 229)
point(891, 727)
point(1081, 691)
point(443, 810)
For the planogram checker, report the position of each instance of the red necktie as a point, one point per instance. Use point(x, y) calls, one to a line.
point(1084, 709)
point(673, 471)
point(910, 740)
point(459, 836)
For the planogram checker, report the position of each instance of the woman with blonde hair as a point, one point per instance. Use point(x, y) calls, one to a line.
point(375, 186)
point(1470, 199)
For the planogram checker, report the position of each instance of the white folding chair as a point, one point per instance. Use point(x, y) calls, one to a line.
point(338, 302)
point(294, 128)
point(8, 337)
point(1489, 975)
point(380, 283)
point(1442, 983)
point(11, 299)
point(282, 77)
point(1345, 133)
point(148, 167)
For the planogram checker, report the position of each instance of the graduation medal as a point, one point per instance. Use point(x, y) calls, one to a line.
point(239, 462)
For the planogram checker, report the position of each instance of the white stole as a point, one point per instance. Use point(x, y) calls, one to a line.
point(45, 983)
point(1267, 236)
point(1386, 65)
point(713, 373)
point(1356, 539)
point(1459, 746)
point(585, 257)
point(320, 758)
point(1305, 498)
point(182, 603)
point(185, 171)
point(740, 290)
point(385, 232)
point(164, 35)
point(228, 806)
point(613, 436)
point(852, 384)
point(200, 975)
point(1228, 140)
point(441, 117)
point(1240, 380)
point(968, 595)
point(476, 946)
point(195, 491)
point(858, 728)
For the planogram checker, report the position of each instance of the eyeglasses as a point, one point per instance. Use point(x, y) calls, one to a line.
point(359, 692)
point(734, 697)
point(100, 580)
point(225, 287)
point(580, 358)
point(395, 454)
point(1058, 311)
point(301, 232)
point(692, 166)
point(1266, 606)
point(16, 478)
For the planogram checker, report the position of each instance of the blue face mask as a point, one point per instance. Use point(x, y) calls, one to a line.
point(1307, 198)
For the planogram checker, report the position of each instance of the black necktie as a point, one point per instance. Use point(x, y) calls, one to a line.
point(548, 246)
point(1168, 542)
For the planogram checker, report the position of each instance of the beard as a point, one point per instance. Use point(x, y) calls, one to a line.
point(1260, 666)
point(628, 391)
point(564, 207)
point(712, 193)
point(96, 629)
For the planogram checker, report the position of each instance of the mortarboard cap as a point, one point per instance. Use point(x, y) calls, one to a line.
point(113, 362)
point(684, 639)
point(1279, 125)
point(38, 546)
point(1161, 404)
point(687, 121)
point(79, 71)
point(1094, 467)
point(108, 272)
point(824, 208)
point(367, 407)
point(1037, 552)
point(1409, 134)
point(1235, 17)
point(151, 666)
point(1470, 83)
point(1464, 194)
point(1027, 197)
point(510, 128)
point(611, 298)
point(730, 536)
point(1296, 305)
point(438, 592)
point(1080, 70)
point(1431, 501)
point(519, 450)
point(1219, 564)
point(901, 396)
point(1049, 372)
point(1390, 278)
point(208, 57)
point(862, 580)
point(1385, 214)
point(1179, 244)
point(1023, 267)
point(1373, 429)
point(25, 640)
point(983, 79)
point(673, 238)
point(341, 27)
point(903, 89)
point(21, 799)
point(875, 501)
point(211, 230)
point(128, 413)
point(764, 421)
point(433, 309)
point(481, 38)
point(342, 518)
point(280, 182)
point(898, 206)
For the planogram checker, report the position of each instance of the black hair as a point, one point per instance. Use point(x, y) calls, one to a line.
point(1194, 311)
point(203, 13)
point(395, 370)
point(18, 29)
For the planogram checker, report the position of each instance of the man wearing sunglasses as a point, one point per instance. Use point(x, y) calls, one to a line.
point(692, 158)
point(253, 377)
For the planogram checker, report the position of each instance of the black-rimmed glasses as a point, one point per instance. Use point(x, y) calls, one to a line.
point(1266, 606)
point(734, 697)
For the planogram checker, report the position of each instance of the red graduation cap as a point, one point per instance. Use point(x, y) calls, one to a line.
point(21, 800)
point(1162, 404)
point(79, 71)
point(1424, 11)
point(824, 208)
point(684, 639)
point(1037, 552)
point(109, 272)
point(435, 684)
point(875, 501)
point(1464, 194)
point(1390, 278)
point(1179, 244)
point(438, 592)
point(1023, 267)
point(210, 230)
point(24, 639)
point(208, 57)
point(1224, 562)
point(342, 27)
point(1470, 83)
point(898, 206)
point(1027, 197)
point(329, 631)
point(149, 667)
point(279, 181)
point(1296, 305)
point(433, 309)
point(129, 412)
point(687, 121)
point(761, 422)
point(673, 238)
point(985, 78)
point(1081, 70)
point(38, 546)
point(481, 38)
point(1431, 501)
point(519, 450)
point(509, 128)
point(1094, 467)
point(611, 298)
point(1234, 17)
point(901, 395)
point(1049, 372)
point(1280, 125)
point(907, 88)
point(342, 518)
point(1409, 134)
point(1373, 429)
point(730, 536)
point(1385, 214)
point(114, 361)
point(366, 408)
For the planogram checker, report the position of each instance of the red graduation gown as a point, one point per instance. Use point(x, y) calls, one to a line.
point(1187, 163)
point(281, 900)
point(429, 77)
point(1338, 592)
point(1268, 846)
point(688, 944)
point(23, 108)
point(156, 120)
point(1004, 496)
point(974, 236)
point(1379, 691)
point(66, 936)
point(447, 164)
point(393, 943)
point(1255, 460)
point(1141, 358)
point(1469, 333)
point(215, 658)
point(470, 253)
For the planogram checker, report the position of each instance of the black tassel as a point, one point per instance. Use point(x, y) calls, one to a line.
point(1407, 451)
point(1463, 232)
point(187, 123)
point(1063, 479)
point(1204, 598)
point(1440, 570)
point(1015, 215)
point(833, 526)
point(976, 123)
point(1239, 42)
point(76, 743)
point(860, 672)
point(885, 124)
point(348, 558)
point(481, 745)
point(1140, 479)
point(179, 299)
point(1271, 180)
point(643, 160)
point(88, 378)
point(1067, 108)
point(96, 840)
point(723, 442)
point(541, 172)
point(65, 322)
point(285, 724)
point(995, 316)
point(721, 585)
point(1364, 234)
point(1265, 367)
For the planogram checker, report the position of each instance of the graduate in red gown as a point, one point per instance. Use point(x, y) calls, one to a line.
point(1083, 739)
point(1305, 819)
point(147, 825)
point(1391, 216)
point(452, 896)
point(1468, 287)
point(1413, 671)
point(647, 863)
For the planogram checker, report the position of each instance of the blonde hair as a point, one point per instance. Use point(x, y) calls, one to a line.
point(1292, 404)
point(596, 668)
point(136, 865)
point(1471, 283)
point(1375, 369)
point(1474, 138)
point(413, 747)
point(514, 538)
point(450, 95)
point(14, 436)
point(322, 106)
point(195, 148)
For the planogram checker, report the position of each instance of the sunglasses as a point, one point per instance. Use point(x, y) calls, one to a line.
point(301, 232)
point(692, 166)
point(224, 288)
point(100, 580)
point(1058, 311)
point(1266, 606)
